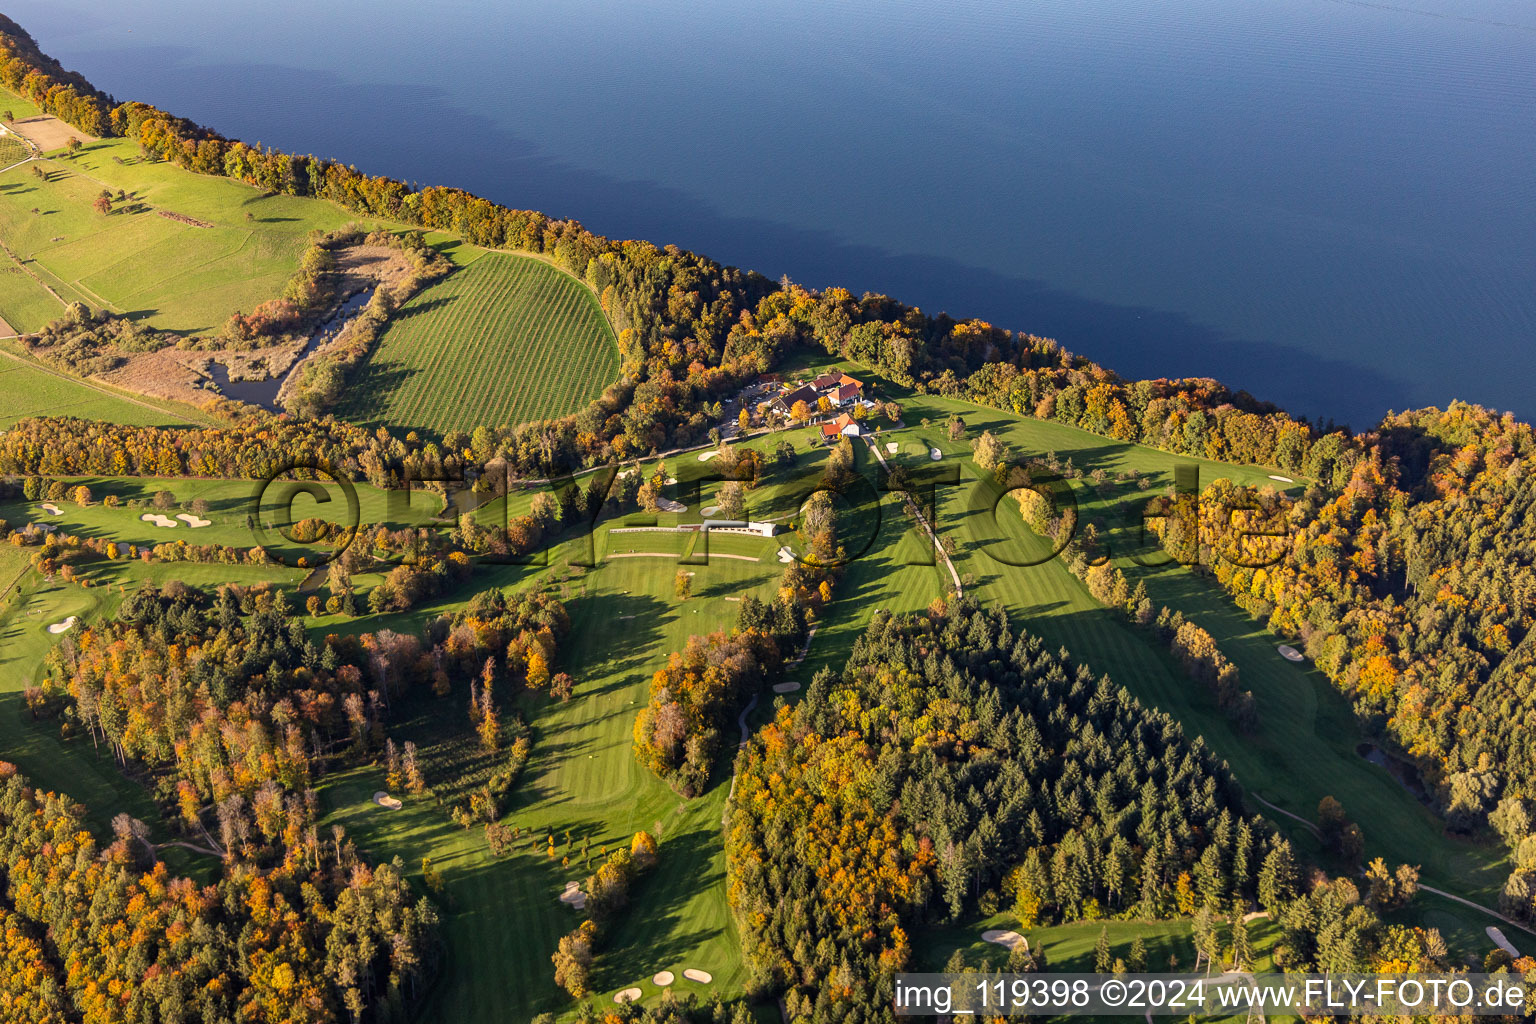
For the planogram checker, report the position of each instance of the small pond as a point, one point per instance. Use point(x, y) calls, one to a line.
point(264, 392)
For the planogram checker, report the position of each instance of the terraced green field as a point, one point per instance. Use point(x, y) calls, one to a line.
point(504, 340)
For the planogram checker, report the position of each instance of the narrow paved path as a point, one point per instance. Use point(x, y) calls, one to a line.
point(918, 512)
point(805, 648)
point(1477, 906)
point(746, 731)
point(1427, 888)
point(1294, 817)
point(746, 734)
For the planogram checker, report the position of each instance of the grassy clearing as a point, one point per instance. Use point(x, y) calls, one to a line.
point(25, 303)
point(1070, 947)
point(28, 389)
point(504, 340)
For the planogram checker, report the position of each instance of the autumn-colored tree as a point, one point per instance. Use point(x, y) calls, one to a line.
point(488, 727)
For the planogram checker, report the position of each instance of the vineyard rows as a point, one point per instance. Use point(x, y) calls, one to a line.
point(505, 340)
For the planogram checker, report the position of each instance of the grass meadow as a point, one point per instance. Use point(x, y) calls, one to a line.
point(29, 389)
point(503, 340)
point(134, 261)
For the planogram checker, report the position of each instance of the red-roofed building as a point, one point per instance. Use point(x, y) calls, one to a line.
point(844, 424)
point(838, 388)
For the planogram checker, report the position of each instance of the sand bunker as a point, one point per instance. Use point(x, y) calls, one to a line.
point(935, 454)
point(193, 521)
point(892, 447)
point(785, 687)
point(706, 456)
point(386, 801)
point(59, 627)
point(668, 505)
point(663, 978)
point(52, 509)
point(1282, 479)
point(573, 896)
point(694, 974)
point(786, 555)
point(629, 995)
point(158, 520)
point(1497, 935)
point(1290, 653)
point(709, 510)
point(1002, 938)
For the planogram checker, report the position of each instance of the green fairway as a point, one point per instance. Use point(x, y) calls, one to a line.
point(504, 340)
point(1305, 747)
point(504, 918)
point(231, 505)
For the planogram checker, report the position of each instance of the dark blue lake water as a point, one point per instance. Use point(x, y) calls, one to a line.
point(1330, 203)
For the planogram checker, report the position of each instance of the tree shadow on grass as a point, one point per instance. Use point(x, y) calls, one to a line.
point(378, 378)
point(652, 934)
point(427, 305)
